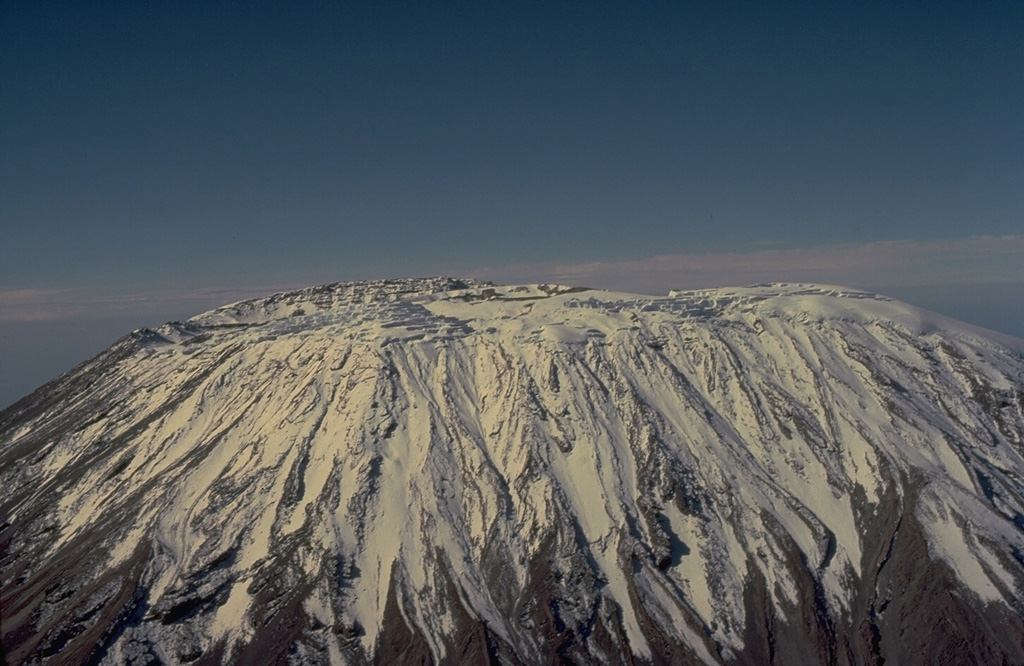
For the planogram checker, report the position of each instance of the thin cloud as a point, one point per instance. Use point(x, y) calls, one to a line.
point(24, 305)
point(35, 305)
point(904, 263)
point(959, 261)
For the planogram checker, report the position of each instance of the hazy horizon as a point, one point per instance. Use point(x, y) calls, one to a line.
point(38, 344)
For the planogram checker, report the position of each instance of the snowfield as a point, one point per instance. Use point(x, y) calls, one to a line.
point(446, 471)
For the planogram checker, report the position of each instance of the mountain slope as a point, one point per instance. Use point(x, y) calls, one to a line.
point(443, 471)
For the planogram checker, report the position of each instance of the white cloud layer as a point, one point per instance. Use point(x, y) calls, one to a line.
point(33, 305)
point(904, 263)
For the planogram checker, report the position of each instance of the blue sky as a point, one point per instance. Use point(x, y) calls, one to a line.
point(157, 159)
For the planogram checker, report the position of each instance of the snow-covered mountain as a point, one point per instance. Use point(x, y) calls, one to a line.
point(443, 471)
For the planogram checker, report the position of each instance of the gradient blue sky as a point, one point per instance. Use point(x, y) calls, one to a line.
point(159, 158)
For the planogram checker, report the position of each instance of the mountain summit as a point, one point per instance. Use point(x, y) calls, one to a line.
point(451, 472)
